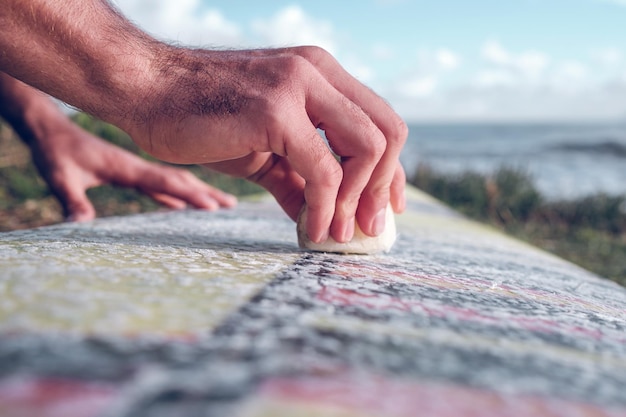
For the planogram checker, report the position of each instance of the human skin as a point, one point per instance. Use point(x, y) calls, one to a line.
point(71, 160)
point(252, 114)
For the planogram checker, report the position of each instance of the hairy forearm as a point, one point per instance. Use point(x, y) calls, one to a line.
point(80, 51)
point(86, 54)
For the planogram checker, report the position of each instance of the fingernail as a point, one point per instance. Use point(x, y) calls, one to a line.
point(378, 225)
point(322, 238)
point(348, 232)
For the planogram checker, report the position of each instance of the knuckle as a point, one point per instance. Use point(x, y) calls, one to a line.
point(173, 178)
point(399, 132)
point(166, 182)
point(185, 176)
point(378, 148)
point(350, 201)
point(312, 53)
point(297, 66)
point(331, 173)
point(376, 145)
point(379, 193)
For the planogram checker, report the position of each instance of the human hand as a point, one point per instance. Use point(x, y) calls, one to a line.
point(258, 109)
point(255, 114)
point(72, 160)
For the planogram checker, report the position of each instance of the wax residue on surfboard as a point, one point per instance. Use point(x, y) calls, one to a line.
point(360, 243)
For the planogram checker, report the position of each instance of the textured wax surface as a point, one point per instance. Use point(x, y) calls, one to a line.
point(207, 314)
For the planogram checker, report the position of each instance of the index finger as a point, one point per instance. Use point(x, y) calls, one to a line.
point(386, 177)
point(311, 159)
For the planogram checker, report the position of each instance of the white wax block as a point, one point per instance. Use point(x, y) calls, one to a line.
point(360, 243)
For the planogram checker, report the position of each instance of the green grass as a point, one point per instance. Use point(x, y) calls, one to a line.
point(590, 231)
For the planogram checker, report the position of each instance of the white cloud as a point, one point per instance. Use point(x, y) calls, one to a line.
point(490, 78)
point(494, 53)
point(497, 83)
point(432, 68)
point(528, 64)
point(292, 26)
point(437, 60)
point(505, 85)
point(420, 86)
point(184, 21)
point(608, 56)
point(570, 75)
point(507, 104)
point(189, 22)
point(532, 63)
point(447, 59)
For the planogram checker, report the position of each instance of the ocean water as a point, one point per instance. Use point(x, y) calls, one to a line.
point(565, 160)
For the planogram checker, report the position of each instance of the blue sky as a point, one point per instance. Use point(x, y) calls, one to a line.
point(437, 60)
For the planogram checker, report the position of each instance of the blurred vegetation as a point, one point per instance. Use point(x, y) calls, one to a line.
point(590, 231)
point(26, 201)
